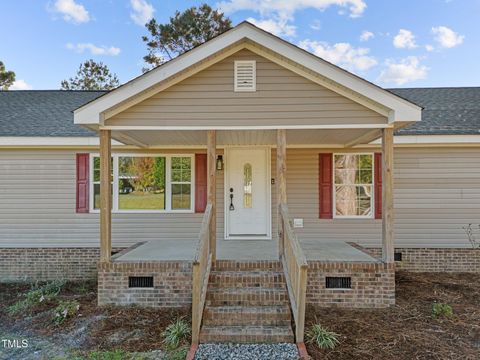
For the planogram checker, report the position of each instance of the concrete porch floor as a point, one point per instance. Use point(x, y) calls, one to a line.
point(175, 250)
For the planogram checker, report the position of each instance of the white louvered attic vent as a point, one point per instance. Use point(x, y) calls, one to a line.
point(245, 75)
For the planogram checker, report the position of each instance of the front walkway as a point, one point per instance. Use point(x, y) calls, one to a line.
point(241, 250)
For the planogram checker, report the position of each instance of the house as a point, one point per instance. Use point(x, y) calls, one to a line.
point(246, 177)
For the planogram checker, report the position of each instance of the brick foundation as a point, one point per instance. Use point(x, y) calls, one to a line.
point(372, 284)
point(436, 260)
point(43, 264)
point(172, 283)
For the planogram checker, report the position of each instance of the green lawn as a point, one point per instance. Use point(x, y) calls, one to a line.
point(143, 201)
point(147, 201)
point(150, 201)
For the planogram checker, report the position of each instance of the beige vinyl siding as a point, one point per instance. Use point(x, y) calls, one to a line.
point(282, 98)
point(437, 191)
point(37, 207)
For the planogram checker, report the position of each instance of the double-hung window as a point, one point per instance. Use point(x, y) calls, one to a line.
point(95, 182)
point(353, 185)
point(147, 183)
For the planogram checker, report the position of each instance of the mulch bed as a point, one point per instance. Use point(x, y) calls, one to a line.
point(408, 330)
point(129, 328)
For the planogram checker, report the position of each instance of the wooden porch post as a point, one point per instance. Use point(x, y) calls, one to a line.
point(105, 196)
point(211, 189)
point(281, 183)
point(387, 196)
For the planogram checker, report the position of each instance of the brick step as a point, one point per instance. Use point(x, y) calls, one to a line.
point(250, 278)
point(246, 334)
point(249, 296)
point(232, 265)
point(247, 315)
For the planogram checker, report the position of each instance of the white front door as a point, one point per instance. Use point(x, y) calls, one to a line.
point(247, 193)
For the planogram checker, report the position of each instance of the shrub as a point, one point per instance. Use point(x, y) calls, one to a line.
point(175, 333)
point(51, 289)
point(441, 309)
point(65, 309)
point(322, 337)
point(37, 295)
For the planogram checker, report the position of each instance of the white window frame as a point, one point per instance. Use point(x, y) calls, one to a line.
point(372, 199)
point(168, 184)
point(254, 75)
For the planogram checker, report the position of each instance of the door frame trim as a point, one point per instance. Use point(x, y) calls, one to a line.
point(268, 154)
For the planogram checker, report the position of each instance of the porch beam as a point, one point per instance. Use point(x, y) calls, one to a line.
point(281, 182)
point(387, 196)
point(211, 189)
point(122, 137)
point(105, 196)
point(243, 127)
point(365, 138)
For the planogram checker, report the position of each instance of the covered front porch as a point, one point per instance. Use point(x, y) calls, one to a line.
point(307, 196)
point(329, 273)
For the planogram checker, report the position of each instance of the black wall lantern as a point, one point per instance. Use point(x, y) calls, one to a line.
point(219, 162)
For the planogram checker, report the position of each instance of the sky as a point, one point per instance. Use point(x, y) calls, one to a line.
point(393, 43)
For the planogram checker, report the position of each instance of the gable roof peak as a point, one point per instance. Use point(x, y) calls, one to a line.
point(226, 44)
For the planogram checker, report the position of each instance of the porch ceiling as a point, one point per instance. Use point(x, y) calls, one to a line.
point(198, 138)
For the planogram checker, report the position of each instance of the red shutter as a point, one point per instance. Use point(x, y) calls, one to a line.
point(83, 161)
point(325, 186)
point(200, 182)
point(377, 179)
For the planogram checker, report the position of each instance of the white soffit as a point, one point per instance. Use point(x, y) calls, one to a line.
point(93, 112)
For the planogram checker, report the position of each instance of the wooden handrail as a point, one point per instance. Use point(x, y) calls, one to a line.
point(295, 267)
point(202, 263)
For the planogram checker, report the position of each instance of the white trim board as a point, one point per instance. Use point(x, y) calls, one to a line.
point(52, 141)
point(65, 141)
point(432, 139)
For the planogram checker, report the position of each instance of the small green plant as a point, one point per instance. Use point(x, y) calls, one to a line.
point(441, 309)
point(64, 310)
point(51, 289)
point(322, 337)
point(17, 308)
point(175, 333)
point(83, 287)
point(37, 295)
point(178, 354)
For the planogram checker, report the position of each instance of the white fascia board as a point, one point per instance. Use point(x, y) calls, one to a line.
point(432, 139)
point(51, 141)
point(402, 110)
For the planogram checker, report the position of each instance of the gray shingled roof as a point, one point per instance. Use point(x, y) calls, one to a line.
point(42, 112)
point(447, 111)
